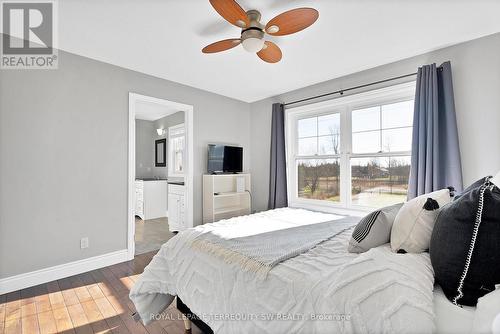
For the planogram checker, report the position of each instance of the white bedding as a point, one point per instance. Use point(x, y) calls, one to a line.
point(451, 319)
point(374, 292)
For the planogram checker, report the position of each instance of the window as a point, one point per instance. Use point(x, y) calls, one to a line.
point(351, 152)
point(319, 136)
point(176, 139)
point(381, 179)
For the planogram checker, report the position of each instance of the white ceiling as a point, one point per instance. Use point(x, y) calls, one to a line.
point(164, 38)
point(151, 111)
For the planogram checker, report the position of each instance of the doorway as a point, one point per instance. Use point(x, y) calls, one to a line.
point(160, 165)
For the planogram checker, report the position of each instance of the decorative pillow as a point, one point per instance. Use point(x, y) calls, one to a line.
point(412, 228)
point(487, 315)
point(373, 230)
point(457, 234)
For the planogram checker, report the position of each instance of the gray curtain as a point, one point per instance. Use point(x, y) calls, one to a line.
point(435, 158)
point(277, 186)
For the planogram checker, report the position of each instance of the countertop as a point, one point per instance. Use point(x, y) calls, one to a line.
point(176, 181)
point(179, 183)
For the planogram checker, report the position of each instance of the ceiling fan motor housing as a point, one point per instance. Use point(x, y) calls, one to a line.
point(252, 33)
point(255, 29)
point(252, 36)
point(254, 18)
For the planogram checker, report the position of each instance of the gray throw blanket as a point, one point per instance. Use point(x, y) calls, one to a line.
point(260, 252)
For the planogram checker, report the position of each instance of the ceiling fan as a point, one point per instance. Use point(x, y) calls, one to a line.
point(253, 32)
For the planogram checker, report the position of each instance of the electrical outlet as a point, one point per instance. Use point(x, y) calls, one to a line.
point(84, 243)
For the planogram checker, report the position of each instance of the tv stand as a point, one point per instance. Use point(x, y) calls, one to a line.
point(222, 199)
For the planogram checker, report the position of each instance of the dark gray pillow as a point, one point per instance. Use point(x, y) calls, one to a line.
point(373, 230)
point(468, 267)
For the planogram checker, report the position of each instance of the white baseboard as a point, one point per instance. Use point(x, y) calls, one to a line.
point(45, 275)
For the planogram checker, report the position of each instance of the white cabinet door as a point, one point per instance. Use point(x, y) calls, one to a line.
point(176, 210)
point(155, 199)
point(173, 212)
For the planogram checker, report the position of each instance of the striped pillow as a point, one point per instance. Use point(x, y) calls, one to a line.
point(374, 229)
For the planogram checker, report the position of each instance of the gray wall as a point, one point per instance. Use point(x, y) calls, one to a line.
point(476, 77)
point(64, 156)
point(144, 149)
point(145, 136)
point(168, 121)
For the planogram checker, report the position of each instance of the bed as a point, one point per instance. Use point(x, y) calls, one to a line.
point(323, 290)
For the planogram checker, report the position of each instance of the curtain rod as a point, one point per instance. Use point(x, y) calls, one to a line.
point(341, 91)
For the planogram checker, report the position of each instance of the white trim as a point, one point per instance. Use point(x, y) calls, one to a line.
point(188, 167)
point(45, 275)
point(344, 106)
point(131, 177)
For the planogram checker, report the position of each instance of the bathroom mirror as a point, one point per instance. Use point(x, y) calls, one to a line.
point(160, 152)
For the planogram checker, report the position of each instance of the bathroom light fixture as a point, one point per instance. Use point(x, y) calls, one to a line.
point(160, 132)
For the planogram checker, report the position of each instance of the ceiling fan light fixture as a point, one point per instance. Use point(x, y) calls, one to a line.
point(253, 44)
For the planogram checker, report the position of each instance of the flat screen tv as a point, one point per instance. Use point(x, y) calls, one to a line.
point(225, 159)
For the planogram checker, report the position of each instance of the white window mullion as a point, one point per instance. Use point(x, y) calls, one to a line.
point(380, 129)
point(345, 144)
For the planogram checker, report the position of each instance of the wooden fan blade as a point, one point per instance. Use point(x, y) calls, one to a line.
point(231, 12)
point(292, 21)
point(223, 45)
point(271, 53)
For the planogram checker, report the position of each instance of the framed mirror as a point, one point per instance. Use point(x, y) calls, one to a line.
point(161, 152)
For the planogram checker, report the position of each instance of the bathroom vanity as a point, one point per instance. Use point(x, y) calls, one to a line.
point(151, 198)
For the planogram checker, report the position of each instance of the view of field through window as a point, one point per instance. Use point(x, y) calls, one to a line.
point(380, 159)
point(379, 182)
point(319, 178)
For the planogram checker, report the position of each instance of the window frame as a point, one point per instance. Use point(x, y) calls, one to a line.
point(171, 152)
point(344, 105)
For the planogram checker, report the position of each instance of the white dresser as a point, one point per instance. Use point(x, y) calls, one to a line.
point(150, 199)
point(176, 212)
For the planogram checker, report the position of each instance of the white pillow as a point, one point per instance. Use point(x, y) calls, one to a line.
point(487, 315)
point(412, 228)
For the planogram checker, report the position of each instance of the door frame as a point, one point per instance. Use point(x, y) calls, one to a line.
point(188, 177)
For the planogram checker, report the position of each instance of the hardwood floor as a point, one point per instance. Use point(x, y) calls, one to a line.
point(93, 302)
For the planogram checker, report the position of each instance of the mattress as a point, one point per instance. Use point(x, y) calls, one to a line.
point(325, 290)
